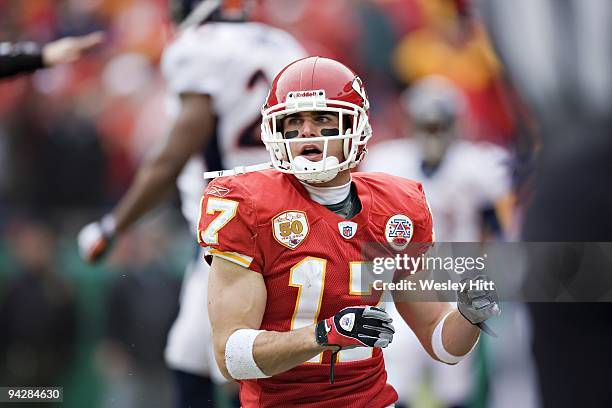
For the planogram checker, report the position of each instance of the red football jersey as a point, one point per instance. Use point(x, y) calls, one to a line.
point(312, 263)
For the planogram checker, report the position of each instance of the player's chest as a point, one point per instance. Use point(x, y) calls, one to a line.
point(324, 259)
point(320, 275)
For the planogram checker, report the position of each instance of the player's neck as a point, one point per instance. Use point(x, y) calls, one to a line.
point(328, 195)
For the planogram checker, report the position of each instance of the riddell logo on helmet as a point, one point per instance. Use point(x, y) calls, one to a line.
point(305, 94)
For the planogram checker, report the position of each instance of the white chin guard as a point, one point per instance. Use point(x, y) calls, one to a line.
point(313, 172)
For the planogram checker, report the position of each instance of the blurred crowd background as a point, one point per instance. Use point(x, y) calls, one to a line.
point(71, 138)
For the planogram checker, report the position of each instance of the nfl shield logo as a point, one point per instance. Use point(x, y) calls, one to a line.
point(347, 229)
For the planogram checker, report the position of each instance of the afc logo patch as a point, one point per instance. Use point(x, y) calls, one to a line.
point(290, 228)
point(398, 231)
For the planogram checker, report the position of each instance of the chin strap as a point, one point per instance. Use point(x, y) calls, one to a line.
point(237, 170)
point(317, 174)
point(303, 164)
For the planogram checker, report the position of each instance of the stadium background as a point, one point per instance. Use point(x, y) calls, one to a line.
point(72, 136)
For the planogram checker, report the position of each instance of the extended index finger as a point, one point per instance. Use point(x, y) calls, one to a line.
point(90, 40)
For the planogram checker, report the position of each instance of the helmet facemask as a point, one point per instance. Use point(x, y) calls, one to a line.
point(353, 129)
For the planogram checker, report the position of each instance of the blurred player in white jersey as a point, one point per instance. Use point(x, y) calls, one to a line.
point(461, 180)
point(218, 71)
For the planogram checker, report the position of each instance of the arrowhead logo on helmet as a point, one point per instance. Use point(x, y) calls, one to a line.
point(358, 87)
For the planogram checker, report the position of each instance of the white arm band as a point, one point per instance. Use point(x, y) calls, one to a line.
point(438, 345)
point(239, 355)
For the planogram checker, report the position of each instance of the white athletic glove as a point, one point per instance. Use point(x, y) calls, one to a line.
point(95, 239)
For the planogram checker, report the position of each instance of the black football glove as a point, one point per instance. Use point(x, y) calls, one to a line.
point(358, 326)
point(477, 305)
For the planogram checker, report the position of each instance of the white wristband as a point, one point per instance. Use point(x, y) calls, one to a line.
point(438, 345)
point(239, 355)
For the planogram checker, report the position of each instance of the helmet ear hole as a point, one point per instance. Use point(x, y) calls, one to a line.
point(347, 143)
point(347, 128)
point(347, 123)
point(279, 125)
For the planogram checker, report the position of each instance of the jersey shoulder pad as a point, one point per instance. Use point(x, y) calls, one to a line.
point(195, 62)
point(393, 195)
point(397, 189)
point(227, 224)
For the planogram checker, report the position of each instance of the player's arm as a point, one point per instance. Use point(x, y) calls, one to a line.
point(156, 177)
point(236, 304)
point(190, 134)
point(458, 336)
point(504, 210)
point(448, 333)
point(493, 181)
point(236, 301)
point(28, 56)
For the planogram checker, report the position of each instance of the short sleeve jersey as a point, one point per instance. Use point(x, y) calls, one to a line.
point(233, 63)
point(312, 263)
point(472, 176)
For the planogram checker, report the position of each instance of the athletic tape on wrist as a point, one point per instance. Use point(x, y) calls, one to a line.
point(239, 355)
point(438, 345)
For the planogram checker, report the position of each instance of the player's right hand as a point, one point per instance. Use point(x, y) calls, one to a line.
point(95, 239)
point(359, 326)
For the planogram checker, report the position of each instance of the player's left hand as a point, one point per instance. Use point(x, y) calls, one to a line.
point(359, 326)
point(479, 303)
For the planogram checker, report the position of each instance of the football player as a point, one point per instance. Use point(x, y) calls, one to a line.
point(461, 178)
point(287, 301)
point(218, 71)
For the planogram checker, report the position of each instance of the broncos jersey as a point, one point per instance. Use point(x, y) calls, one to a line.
point(470, 177)
point(234, 63)
point(313, 265)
